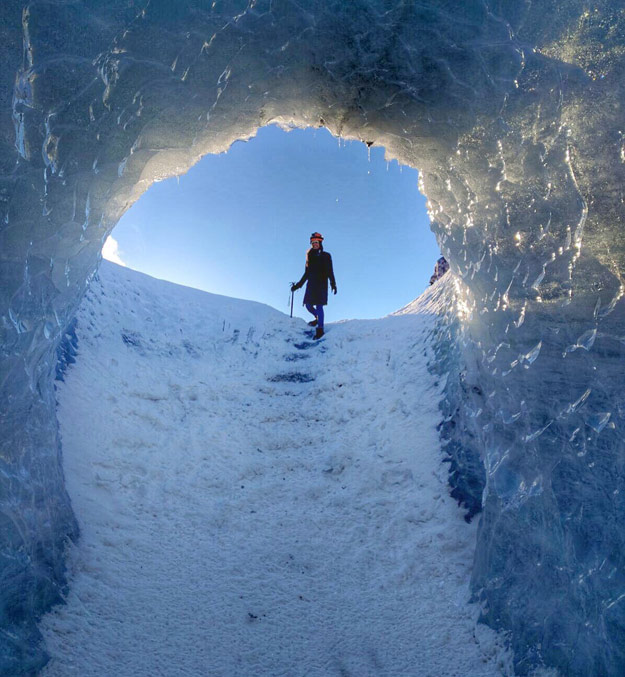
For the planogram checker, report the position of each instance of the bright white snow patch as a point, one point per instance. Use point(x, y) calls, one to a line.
point(255, 503)
point(110, 251)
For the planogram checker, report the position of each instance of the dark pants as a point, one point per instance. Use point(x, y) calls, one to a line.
point(317, 311)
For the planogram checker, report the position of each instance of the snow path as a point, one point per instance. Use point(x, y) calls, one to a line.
point(255, 503)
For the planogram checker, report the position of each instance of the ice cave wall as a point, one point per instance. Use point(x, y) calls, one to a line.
point(511, 109)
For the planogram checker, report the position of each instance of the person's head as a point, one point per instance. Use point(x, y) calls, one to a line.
point(315, 240)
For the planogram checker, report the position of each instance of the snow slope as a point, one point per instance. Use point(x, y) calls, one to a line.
point(255, 503)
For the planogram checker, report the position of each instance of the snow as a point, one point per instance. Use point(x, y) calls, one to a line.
point(513, 115)
point(252, 502)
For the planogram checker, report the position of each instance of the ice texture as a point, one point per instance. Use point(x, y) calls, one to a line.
point(511, 109)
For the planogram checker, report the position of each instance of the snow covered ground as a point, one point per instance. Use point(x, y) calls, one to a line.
point(256, 503)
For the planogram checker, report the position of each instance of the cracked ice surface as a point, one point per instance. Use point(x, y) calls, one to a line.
point(512, 111)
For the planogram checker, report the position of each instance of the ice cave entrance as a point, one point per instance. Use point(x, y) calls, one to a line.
point(238, 223)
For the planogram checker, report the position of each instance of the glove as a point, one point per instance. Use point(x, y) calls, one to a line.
point(294, 287)
point(334, 289)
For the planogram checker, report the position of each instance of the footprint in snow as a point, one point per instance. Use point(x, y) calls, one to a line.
point(291, 377)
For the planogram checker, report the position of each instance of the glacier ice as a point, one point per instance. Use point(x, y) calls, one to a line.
point(513, 113)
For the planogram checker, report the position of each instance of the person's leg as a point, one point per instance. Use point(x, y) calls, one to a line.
point(311, 309)
point(320, 316)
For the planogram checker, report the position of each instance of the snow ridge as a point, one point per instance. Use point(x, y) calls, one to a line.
point(253, 502)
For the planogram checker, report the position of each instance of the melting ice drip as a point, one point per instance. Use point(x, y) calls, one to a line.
point(512, 113)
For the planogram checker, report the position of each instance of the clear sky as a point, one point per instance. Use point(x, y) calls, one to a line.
point(239, 224)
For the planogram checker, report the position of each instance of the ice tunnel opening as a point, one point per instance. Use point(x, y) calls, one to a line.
point(237, 223)
point(516, 124)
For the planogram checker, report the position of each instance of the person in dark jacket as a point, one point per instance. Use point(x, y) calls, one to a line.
point(318, 272)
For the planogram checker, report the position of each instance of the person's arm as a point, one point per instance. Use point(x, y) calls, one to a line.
point(331, 274)
point(303, 279)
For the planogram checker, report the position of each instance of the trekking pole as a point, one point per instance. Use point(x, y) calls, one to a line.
point(292, 295)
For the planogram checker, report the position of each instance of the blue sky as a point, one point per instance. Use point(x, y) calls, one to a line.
point(238, 224)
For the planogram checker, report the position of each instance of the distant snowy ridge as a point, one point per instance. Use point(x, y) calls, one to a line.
point(252, 502)
point(435, 300)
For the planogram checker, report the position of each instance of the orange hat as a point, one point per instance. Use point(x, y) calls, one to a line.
point(316, 236)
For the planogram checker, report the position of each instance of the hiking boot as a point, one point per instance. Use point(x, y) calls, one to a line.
point(319, 333)
point(312, 323)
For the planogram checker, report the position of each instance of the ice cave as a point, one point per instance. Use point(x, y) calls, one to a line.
point(511, 110)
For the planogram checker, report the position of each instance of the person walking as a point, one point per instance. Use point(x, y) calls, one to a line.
point(316, 275)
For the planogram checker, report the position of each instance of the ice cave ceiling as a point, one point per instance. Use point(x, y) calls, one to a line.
point(511, 109)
